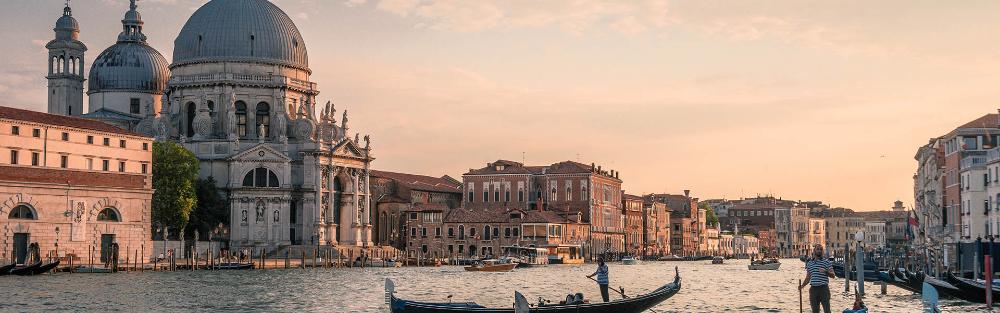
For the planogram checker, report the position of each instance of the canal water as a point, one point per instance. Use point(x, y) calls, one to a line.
point(706, 288)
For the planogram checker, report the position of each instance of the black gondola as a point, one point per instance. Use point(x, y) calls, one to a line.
point(973, 291)
point(5, 270)
point(628, 305)
point(945, 288)
point(25, 270)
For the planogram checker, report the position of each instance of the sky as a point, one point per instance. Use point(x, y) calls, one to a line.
point(806, 100)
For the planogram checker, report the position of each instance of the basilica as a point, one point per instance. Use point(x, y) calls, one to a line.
point(238, 95)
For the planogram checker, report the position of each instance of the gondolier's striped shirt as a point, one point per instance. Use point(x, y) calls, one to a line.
point(817, 272)
point(602, 274)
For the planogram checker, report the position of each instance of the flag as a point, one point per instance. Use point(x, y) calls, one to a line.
point(911, 224)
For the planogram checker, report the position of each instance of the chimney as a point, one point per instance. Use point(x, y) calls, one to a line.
point(616, 174)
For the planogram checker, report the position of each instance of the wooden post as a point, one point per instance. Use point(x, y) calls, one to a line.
point(142, 252)
point(286, 259)
point(302, 255)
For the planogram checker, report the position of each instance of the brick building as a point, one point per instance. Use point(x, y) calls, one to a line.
point(564, 187)
point(656, 227)
point(687, 224)
point(397, 193)
point(633, 211)
point(484, 232)
point(71, 184)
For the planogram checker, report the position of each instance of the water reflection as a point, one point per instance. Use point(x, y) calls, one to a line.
point(706, 288)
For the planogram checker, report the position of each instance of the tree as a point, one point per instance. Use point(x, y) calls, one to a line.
point(175, 170)
point(710, 218)
point(210, 210)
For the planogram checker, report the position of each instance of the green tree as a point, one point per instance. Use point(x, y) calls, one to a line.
point(175, 170)
point(210, 210)
point(710, 218)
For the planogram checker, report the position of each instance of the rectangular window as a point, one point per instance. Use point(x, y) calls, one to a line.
point(423, 232)
point(63, 161)
point(486, 195)
point(121, 166)
point(520, 197)
point(34, 159)
point(496, 195)
point(90, 164)
point(90, 139)
point(145, 146)
point(506, 232)
point(437, 232)
point(413, 216)
point(36, 132)
point(121, 143)
point(13, 157)
point(15, 130)
point(144, 168)
point(65, 136)
point(506, 195)
point(105, 164)
point(133, 105)
point(461, 248)
point(451, 232)
point(107, 141)
point(413, 232)
point(472, 196)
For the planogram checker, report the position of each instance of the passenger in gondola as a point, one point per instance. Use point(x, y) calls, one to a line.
point(602, 277)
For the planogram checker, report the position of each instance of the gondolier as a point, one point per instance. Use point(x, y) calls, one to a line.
point(818, 273)
point(602, 277)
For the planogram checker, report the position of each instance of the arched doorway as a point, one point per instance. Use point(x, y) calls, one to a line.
point(338, 191)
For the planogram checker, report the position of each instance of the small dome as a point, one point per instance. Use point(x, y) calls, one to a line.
point(240, 30)
point(67, 22)
point(129, 66)
point(67, 28)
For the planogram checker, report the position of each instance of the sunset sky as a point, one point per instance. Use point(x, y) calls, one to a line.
point(807, 100)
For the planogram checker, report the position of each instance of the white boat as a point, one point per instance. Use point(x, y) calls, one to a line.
point(629, 260)
point(765, 265)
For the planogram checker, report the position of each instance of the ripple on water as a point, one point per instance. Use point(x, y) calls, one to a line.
point(707, 288)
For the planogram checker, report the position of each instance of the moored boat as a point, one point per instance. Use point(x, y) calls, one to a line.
point(972, 290)
point(671, 258)
point(635, 304)
point(26, 269)
point(718, 260)
point(491, 266)
point(89, 269)
point(233, 266)
point(5, 270)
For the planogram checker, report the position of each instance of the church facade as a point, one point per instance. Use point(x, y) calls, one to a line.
point(238, 95)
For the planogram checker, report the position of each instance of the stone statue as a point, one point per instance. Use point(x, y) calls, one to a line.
point(368, 142)
point(356, 138)
point(260, 211)
point(261, 133)
point(343, 122)
point(278, 126)
point(333, 112)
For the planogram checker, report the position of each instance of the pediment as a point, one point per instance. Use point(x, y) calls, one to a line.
point(260, 153)
point(347, 148)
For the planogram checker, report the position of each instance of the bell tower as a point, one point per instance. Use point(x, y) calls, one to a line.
point(66, 71)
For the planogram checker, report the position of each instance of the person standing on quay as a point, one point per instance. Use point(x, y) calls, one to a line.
point(602, 277)
point(818, 273)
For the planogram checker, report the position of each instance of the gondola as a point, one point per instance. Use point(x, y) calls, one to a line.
point(895, 279)
point(870, 274)
point(233, 266)
point(5, 270)
point(636, 304)
point(973, 291)
point(25, 270)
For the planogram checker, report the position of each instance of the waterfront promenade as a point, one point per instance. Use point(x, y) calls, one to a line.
point(707, 288)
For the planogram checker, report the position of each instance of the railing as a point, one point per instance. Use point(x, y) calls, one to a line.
point(993, 155)
point(972, 159)
point(248, 78)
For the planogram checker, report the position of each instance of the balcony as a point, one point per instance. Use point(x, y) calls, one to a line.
point(243, 79)
point(972, 159)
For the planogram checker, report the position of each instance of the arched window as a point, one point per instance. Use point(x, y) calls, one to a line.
point(461, 231)
point(263, 118)
point(191, 110)
point(21, 212)
point(108, 215)
point(241, 118)
point(260, 177)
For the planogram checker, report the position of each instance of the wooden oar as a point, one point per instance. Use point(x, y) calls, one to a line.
point(800, 296)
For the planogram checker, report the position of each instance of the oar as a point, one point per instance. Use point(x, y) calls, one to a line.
point(800, 296)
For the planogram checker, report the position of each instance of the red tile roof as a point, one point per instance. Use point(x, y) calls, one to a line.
point(508, 167)
point(74, 178)
point(985, 121)
point(421, 182)
point(61, 120)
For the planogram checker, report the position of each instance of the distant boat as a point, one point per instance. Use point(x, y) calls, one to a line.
point(718, 260)
point(764, 265)
point(629, 260)
point(672, 257)
point(491, 266)
point(636, 304)
point(88, 269)
point(233, 266)
point(34, 269)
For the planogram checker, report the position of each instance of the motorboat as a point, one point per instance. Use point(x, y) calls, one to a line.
point(491, 266)
point(233, 266)
point(635, 304)
point(764, 265)
point(630, 260)
point(718, 260)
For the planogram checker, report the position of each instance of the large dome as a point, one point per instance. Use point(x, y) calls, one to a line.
point(242, 31)
point(129, 66)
